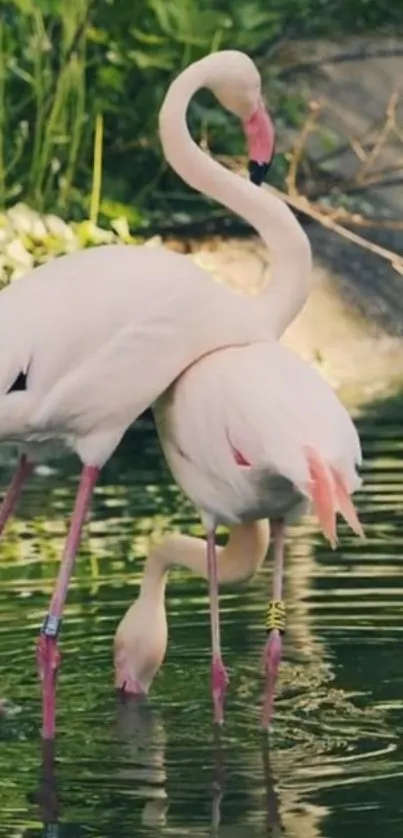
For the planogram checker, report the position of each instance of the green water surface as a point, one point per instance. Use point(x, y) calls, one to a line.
point(334, 763)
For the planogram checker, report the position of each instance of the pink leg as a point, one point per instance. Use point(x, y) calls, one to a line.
point(274, 645)
point(12, 496)
point(219, 674)
point(48, 657)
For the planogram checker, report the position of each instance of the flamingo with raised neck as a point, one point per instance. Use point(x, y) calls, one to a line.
point(91, 339)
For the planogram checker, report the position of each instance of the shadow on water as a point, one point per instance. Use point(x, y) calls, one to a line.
point(156, 768)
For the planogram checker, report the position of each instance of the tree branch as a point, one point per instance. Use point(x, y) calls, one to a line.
point(302, 204)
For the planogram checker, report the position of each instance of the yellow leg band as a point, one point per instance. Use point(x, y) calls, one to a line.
point(276, 615)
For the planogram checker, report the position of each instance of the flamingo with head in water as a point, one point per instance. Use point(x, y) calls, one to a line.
point(249, 432)
point(141, 638)
point(90, 340)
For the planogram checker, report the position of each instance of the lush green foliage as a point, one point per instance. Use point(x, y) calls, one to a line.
point(63, 65)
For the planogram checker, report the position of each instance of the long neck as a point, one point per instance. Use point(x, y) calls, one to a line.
point(240, 558)
point(288, 288)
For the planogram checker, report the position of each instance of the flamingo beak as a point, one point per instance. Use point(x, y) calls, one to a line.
point(258, 171)
point(260, 137)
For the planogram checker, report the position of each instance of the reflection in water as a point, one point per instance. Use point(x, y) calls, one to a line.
point(274, 822)
point(336, 760)
point(46, 796)
point(142, 735)
point(218, 782)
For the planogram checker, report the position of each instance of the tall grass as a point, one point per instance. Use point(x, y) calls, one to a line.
point(54, 52)
point(97, 170)
point(2, 116)
point(65, 62)
point(42, 100)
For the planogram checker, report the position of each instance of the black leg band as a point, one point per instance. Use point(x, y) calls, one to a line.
point(51, 626)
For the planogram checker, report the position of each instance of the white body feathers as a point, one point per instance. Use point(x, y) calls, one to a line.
point(268, 405)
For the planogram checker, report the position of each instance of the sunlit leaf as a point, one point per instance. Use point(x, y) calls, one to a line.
point(159, 60)
point(148, 38)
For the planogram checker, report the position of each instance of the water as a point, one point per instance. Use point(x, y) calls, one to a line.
point(334, 763)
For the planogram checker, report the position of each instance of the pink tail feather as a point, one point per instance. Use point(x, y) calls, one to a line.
point(345, 504)
point(323, 495)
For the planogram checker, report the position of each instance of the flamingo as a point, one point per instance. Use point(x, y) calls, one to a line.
point(91, 339)
point(252, 432)
point(141, 638)
point(249, 433)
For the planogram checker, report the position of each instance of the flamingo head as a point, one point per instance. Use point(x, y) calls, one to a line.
point(238, 88)
point(139, 646)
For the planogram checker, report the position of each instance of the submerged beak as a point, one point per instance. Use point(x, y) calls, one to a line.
point(260, 136)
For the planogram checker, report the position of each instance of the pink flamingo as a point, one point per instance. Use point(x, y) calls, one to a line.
point(90, 340)
point(248, 432)
point(141, 637)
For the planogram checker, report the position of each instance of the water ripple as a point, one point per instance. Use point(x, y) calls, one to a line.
point(125, 769)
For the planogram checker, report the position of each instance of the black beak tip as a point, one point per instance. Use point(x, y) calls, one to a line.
point(258, 171)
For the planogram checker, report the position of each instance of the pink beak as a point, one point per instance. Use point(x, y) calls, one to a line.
point(260, 137)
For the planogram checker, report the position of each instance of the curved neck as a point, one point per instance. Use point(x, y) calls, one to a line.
point(241, 557)
point(285, 294)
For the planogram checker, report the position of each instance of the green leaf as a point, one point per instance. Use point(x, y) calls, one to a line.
point(148, 38)
point(159, 61)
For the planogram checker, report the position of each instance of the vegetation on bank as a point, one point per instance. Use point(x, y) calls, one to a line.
point(81, 83)
point(91, 74)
